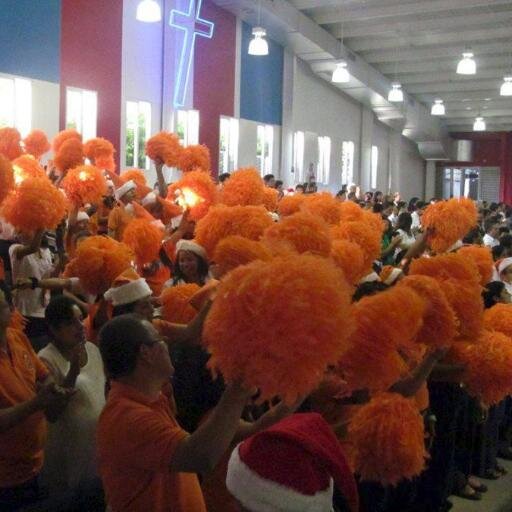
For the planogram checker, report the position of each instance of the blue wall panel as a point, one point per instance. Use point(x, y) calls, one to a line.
point(30, 38)
point(261, 87)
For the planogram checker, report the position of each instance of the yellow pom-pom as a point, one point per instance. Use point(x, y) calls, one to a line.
point(282, 351)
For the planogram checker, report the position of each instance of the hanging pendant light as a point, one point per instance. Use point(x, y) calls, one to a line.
point(479, 125)
point(438, 108)
point(259, 45)
point(396, 94)
point(506, 86)
point(467, 65)
point(149, 11)
point(340, 75)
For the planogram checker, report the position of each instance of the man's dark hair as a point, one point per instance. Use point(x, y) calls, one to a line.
point(123, 309)
point(59, 311)
point(224, 177)
point(120, 342)
point(378, 208)
point(506, 241)
point(268, 177)
point(279, 183)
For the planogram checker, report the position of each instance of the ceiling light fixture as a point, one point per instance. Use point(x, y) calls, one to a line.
point(467, 65)
point(479, 125)
point(506, 86)
point(396, 95)
point(438, 108)
point(259, 45)
point(340, 75)
point(149, 11)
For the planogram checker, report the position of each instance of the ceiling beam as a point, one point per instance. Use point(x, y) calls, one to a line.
point(423, 39)
point(410, 25)
point(315, 4)
point(470, 96)
point(500, 102)
point(461, 120)
point(488, 113)
point(362, 12)
point(450, 76)
point(438, 88)
point(435, 53)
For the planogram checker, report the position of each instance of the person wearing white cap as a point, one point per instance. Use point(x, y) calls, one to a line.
point(191, 265)
point(122, 214)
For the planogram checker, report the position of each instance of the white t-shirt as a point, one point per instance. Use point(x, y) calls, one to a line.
point(70, 449)
point(31, 303)
point(7, 231)
point(416, 221)
point(490, 241)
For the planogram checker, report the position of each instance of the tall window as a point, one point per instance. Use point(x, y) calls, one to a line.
point(265, 143)
point(228, 147)
point(347, 162)
point(82, 111)
point(16, 104)
point(374, 167)
point(324, 159)
point(138, 131)
point(298, 156)
point(186, 126)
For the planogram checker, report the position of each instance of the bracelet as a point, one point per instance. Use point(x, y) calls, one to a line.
point(35, 283)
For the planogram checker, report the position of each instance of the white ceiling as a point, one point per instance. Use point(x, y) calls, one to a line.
point(419, 43)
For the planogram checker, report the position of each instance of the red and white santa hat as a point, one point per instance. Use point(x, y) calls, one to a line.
point(127, 288)
point(291, 467)
point(190, 246)
point(124, 189)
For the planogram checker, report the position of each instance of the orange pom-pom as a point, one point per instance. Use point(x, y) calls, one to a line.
point(6, 177)
point(36, 144)
point(450, 221)
point(439, 322)
point(170, 210)
point(145, 240)
point(381, 327)
point(240, 330)
point(388, 437)
point(135, 175)
point(195, 191)
point(482, 257)
point(350, 258)
point(363, 234)
point(166, 147)
point(176, 306)
point(222, 221)
point(84, 184)
point(99, 148)
point(26, 166)
point(270, 199)
point(10, 140)
point(196, 157)
point(234, 251)
point(69, 155)
point(488, 366)
point(324, 205)
point(350, 212)
point(106, 163)
point(35, 204)
point(499, 318)
point(63, 136)
point(244, 188)
point(98, 261)
point(290, 204)
point(301, 232)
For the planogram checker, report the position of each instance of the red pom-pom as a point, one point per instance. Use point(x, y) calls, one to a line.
point(449, 221)
point(84, 184)
point(244, 188)
point(488, 366)
point(222, 221)
point(290, 204)
point(36, 144)
point(499, 318)
point(166, 147)
point(482, 257)
point(176, 306)
point(439, 322)
point(145, 240)
point(6, 177)
point(26, 166)
point(99, 148)
point(324, 205)
point(35, 204)
point(98, 261)
point(63, 136)
point(234, 251)
point(350, 258)
point(194, 158)
point(195, 191)
point(240, 330)
point(10, 140)
point(388, 437)
point(69, 155)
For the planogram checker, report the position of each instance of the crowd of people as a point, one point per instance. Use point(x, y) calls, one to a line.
point(238, 346)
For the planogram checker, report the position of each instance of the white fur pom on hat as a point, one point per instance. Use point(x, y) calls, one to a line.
point(127, 288)
point(125, 188)
point(188, 245)
point(82, 216)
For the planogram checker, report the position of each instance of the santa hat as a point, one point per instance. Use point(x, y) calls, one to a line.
point(389, 275)
point(82, 216)
point(127, 288)
point(370, 278)
point(125, 188)
point(503, 264)
point(149, 199)
point(187, 245)
point(291, 467)
point(110, 183)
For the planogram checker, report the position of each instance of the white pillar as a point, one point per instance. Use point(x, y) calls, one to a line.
point(395, 149)
point(287, 122)
point(365, 159)
point(430, 179)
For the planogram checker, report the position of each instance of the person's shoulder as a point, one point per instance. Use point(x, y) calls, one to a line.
point(18, 339)
point(13, 248)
